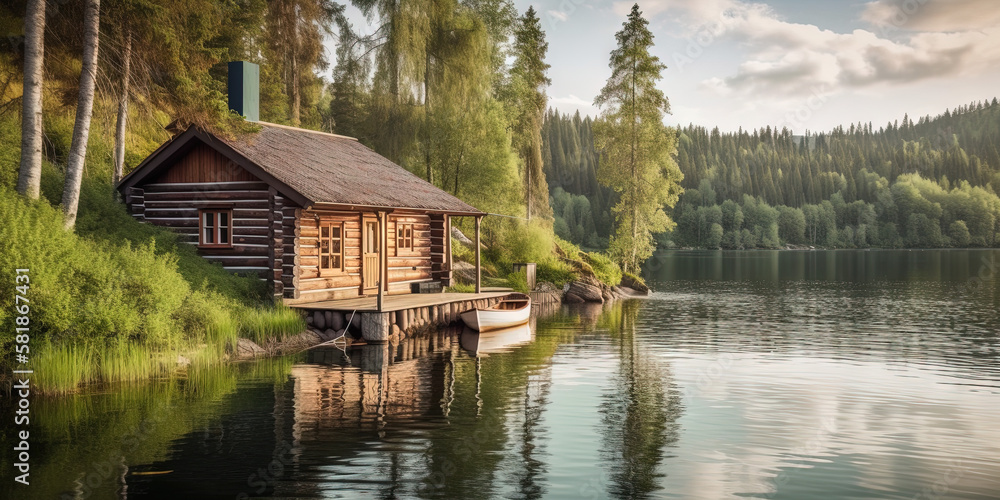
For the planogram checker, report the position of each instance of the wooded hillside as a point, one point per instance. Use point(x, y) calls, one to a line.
point(925, 183)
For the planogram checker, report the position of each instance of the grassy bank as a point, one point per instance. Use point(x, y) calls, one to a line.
point(557, 261)
point(120, 301)
point(113, 300)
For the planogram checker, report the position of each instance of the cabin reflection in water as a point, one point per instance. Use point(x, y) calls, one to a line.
point(370, 386)
point(372, 383)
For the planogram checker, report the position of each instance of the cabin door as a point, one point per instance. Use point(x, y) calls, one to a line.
point(370, 253)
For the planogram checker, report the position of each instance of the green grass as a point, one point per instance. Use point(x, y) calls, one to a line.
point(270, 324)
point(461, 288)
point(114, 300)
point(129, 362)
point(62, 368)
point(605, 269)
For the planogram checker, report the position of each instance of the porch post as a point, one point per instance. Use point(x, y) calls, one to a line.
point(479, 277)
point(382, 258)
point(447, 246)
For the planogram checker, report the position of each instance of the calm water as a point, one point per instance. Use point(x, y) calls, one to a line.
point(793, 375)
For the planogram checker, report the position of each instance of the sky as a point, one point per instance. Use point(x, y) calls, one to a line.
point(805, 65)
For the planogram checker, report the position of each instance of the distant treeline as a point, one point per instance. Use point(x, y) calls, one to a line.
point(581, 206)
point(929, 183)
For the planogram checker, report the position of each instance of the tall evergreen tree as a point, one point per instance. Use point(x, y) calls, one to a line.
point(637, 150)
point(528, 82)
point(297, 28)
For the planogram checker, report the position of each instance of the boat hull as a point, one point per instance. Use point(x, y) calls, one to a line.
point(488, 320)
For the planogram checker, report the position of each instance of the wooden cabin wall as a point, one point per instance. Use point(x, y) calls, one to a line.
point(307, 281)
point(406, 268)
point(440, 244)
point(403, 267)
point(204, 178)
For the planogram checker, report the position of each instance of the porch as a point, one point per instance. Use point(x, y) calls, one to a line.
point(392, 303)
point(398, 314)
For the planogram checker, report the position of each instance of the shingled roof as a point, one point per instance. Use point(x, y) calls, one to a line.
point(318, 168)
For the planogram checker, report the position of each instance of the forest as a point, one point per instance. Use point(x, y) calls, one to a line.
point(452, 90)
point(927, 183)
point(456, 92)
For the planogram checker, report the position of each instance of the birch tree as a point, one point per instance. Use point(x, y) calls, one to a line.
point(122, 110)
point(84, 108)
point(637, 149)
point(30, 175)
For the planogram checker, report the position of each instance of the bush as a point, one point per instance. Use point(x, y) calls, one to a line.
point(461, 288)
point(555, 272)
point(530, 242)
point(518, 281)
point(604, 268)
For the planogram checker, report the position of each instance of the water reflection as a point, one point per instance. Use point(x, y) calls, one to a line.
point(856, 386)
point(859, 266)
point(638, 413)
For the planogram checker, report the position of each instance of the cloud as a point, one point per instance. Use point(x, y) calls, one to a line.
point(571, 100)
point(787, 59)
point(649, 8)
point(558, 14)
point(932, 15)
point(571, 103)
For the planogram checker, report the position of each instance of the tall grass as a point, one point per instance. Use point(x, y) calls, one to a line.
point(269, 324)
point(62, 368)
point(128, 362)
point(114, 300)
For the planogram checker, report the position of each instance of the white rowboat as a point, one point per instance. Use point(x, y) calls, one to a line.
point(513, 310)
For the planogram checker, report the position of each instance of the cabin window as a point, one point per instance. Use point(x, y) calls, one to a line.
point(215, 228)
point(331, 246)
point(404, 238)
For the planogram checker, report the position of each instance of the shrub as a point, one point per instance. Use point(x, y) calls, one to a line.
point(604, 268)
point(518, 281)
point(555, 272)
point(461, 288)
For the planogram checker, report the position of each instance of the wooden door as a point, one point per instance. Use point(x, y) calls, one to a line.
point(370, 252)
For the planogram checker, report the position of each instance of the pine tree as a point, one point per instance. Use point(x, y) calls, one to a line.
point(637, 150)
point(528, 82)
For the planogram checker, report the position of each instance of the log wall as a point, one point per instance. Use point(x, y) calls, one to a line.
point(409, 266)
point(404, 267)
point(307, 282)
point(204, 178)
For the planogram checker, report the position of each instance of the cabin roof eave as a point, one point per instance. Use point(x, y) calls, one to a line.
point(182, 143)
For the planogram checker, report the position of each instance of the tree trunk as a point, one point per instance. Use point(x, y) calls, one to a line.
point(122, 112)
point(29, 178)
point(296, 95)
point(529, 159)
point(635, 180)
point(84, 107)
point(427, 117)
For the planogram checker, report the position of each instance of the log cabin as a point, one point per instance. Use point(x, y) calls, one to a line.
point(318, 216)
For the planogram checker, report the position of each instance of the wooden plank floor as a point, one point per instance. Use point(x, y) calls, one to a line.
point(397, 302)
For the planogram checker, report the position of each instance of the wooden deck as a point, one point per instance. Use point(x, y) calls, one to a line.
point(398, 302)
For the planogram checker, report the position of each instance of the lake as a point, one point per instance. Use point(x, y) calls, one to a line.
point(756, 374)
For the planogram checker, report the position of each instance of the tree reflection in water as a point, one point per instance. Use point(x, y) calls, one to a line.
point(639, 412)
